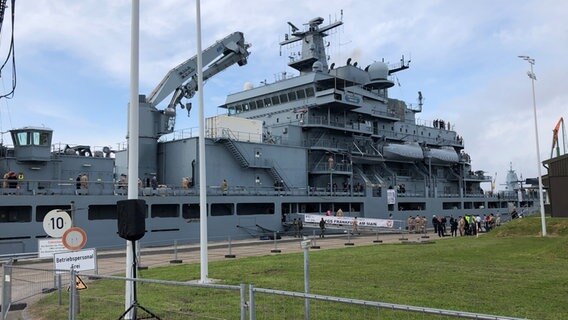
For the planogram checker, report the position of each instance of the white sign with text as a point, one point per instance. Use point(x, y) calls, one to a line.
point(79, 260)
point(47, 247)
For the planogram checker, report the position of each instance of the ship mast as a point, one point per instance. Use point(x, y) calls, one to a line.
point(313, 48)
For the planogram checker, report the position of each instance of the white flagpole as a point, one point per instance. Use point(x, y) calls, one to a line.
point(133, 128)
point(202, 177)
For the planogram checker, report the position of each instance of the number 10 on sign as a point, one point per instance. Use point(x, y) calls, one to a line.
point(56, 222)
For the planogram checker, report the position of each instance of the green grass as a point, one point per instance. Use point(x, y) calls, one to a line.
point(510, 271)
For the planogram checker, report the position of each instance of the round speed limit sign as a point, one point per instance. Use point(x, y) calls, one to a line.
point(56, 222)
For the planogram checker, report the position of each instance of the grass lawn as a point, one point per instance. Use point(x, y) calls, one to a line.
point(510, 271)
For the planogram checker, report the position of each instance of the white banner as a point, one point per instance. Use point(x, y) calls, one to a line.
point(391, 196)
point(78, 260)
point(348, 221)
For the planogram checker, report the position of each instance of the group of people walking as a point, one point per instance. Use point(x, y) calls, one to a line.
point(467, 225)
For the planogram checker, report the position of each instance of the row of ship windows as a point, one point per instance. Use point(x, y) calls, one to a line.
point(272, 100)
point(109, 212)
point(189, 211)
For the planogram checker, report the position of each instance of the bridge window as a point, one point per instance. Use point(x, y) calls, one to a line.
point(301, 94)
point(32, 138)
point(310, 92)
point(259, 104)
point(275, 100)
point(292, 96)
point(283, 98)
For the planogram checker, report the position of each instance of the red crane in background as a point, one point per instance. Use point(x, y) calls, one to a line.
point(555, 138)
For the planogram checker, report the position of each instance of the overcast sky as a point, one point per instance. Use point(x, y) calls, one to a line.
point(72, 60)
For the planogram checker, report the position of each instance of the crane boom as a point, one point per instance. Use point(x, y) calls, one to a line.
point(555, 138)
point(229, 50)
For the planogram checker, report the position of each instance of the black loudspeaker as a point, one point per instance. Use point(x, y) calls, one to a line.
point(131, 219)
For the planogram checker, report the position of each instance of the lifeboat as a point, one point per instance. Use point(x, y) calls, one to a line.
point(408, 151)
point(443, 155)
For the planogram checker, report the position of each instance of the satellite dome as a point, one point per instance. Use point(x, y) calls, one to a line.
point(317, 67)
point(378, 76)
point(248, 85)
point(378, 71)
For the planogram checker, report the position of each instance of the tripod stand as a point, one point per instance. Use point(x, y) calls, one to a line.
point(135, 305)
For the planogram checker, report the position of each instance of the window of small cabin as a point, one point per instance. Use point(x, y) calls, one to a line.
point(104, 212)
point(40, 138)
point(231, 110)
point(239, 108)
point(310, 92)
point(283, 98)
point(292, 96)
point(165, 211)
point(221, 209)
point(190, 211)
point(16, 214)
point(301, 94)
point(267, 102)
point(275, 100)
point(259, 104)
point(246, 107)
point(254, 208)
point(22, 138)
point(41, 211)
point(252, 105)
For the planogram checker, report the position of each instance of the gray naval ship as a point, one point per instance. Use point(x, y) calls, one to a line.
point(326, 139)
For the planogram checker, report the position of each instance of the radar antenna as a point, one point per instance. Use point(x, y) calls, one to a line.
point(294, 28)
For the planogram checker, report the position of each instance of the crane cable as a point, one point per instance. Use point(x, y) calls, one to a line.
point(11, 51)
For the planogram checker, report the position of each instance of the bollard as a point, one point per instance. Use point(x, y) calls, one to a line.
point(377, 240)
point(230, 255)
point(349, 243)
point(275, 250)
point(176, 260)
point(314, 244)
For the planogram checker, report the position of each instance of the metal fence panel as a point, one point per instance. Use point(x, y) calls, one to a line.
point(279, 304)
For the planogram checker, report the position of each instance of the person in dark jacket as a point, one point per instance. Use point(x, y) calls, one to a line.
point(322, 228)
point(435, 223)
